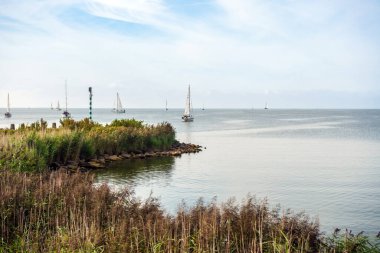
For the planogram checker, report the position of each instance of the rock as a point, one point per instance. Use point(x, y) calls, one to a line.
point(150, 154)
point(141, 156)
point(126, 155)
point(114, 158)
point(83, 164)
point(95, 164)
point(175, 153)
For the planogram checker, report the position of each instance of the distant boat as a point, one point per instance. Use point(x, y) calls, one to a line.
point(203, 107)
point(119, 106)
point(51, 106)
point(166, 105)
point(58, 108)
point(187, 117)
point(266, 106)
point(66, 114)
point(8, 113)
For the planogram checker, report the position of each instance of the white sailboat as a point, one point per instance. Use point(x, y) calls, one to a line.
point(58, 108)
point(8, 113)
point(66, 114)
point(266, 106)
point(119, 106)
point(187, 117)
point(166, 105)
point(51, 106)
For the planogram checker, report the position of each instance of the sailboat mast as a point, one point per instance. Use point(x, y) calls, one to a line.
point(117, 101)
point(66, 93)
point(8, 105)
point(189, 101)
point(188, 98)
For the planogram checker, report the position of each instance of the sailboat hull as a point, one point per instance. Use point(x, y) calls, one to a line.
point(187, 119)
point(66, 115)
point(8, 115)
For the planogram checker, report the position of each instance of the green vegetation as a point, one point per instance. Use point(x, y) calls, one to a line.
point(36, 147)
point(65, 212)
point(349, 242)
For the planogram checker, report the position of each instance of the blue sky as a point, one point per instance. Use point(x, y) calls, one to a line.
point(295, 54)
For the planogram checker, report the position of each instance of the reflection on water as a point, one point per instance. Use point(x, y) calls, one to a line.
point(137, 171)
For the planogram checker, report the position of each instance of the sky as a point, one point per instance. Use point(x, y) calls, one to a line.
point(233, 53)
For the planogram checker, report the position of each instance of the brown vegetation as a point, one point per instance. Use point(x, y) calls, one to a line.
point(64, 212)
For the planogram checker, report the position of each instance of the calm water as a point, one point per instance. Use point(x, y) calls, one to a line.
point(326, 162)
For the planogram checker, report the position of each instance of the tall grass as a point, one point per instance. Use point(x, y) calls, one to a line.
point(62, 212)
point(35, 147)
point(65, 212)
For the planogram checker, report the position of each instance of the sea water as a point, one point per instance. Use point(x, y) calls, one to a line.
point(323, 162)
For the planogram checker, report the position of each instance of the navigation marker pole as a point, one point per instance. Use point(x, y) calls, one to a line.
point(90, 91)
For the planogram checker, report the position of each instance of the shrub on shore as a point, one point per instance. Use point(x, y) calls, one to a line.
point(35, 147)
point(65, 212)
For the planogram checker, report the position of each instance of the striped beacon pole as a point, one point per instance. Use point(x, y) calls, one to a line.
point(90, 91)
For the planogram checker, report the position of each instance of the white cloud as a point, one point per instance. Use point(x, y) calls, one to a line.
point(244, 47)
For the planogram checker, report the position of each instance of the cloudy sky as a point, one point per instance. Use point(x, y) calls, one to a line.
point(234, 53)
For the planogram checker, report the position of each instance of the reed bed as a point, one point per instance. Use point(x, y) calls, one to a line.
point(65, 212)
point(36, 147)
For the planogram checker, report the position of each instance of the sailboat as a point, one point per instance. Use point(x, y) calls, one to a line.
point(203, 107)
point(58, 108)
point(119, 106)
point(51, 106)
point(187, 117)
point(66, 114)
point(8, 113)
point(266, 106)
point(166, 105)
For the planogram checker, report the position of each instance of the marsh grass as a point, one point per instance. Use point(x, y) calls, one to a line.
point(35, 147)
point(65, 212)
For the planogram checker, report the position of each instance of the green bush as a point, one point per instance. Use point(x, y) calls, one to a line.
point(127, 123)
point(84, 124)
point(35, 147)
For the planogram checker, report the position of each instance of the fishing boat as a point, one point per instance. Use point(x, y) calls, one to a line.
point(65, 114)
point(8, 113)
point(187, 117)
point(58, 108)
point(119, 106)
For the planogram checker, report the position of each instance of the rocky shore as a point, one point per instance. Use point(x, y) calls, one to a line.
point(102, 161)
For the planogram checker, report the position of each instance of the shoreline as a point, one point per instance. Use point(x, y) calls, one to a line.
point(101, 162)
